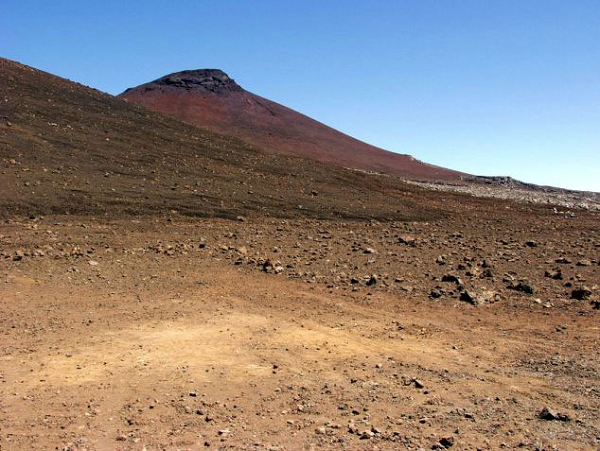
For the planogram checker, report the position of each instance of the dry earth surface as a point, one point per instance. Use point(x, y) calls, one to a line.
point(175, 333)
point(163, 287)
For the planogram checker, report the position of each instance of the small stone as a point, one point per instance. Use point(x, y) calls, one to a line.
point(352, 429)
point(488, 273)
point(581, 294)
point(93, 263)
point(278, 269)
point(447, 442)
point(407, 239)
point(475, 298)
point(551, 415)
point(452, 279)
point(367, 435)
point(372, 281)
point(435, 294)
point(524, 287)
point(418, 383)
point(554, 274)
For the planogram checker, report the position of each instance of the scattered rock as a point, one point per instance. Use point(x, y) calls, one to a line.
point(321, 430)
point(581, 294)
point(366, 435)
point(409, 240)
point(447, 442)
point(452, 279)
point(551, 415)
point(478, 298)
point(488, 273)
point(524, 287)
point(554, 274)
point(418, 383)
point(435, 293)
point(372, 281)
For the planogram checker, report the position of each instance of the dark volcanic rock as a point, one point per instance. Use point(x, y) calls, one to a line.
point(524, 287)
point(581, 294)
point(451, 278)
point(550, 415)
point(209, 80)
point(554, 274)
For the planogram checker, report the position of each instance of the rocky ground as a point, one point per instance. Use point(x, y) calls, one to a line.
point(258, 333)
point(165, 288)
point(510, 189)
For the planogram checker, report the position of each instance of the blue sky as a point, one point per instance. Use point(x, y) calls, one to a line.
point(487, 87)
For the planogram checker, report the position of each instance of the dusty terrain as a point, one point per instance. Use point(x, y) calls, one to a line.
point(174, 334)
point(162, 287)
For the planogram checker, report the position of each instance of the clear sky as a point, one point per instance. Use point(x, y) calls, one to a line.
point(483, 86)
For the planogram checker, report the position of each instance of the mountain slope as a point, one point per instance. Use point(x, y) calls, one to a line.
point(66, 148)
point(209, 98)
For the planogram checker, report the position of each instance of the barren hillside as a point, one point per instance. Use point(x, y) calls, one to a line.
point(166, 288)
point(210, 99)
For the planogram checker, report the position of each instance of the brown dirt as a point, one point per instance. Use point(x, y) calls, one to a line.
point(139, 312)
point(163, 346)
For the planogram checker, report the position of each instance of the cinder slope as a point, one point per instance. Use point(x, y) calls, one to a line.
point(66, 148)
point(209, 98)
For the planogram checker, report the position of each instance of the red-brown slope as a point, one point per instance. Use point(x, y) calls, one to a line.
point(210, 99)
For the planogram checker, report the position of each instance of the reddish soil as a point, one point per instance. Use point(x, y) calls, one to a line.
point(166, 288)
point(210, 99)
point(154, 334)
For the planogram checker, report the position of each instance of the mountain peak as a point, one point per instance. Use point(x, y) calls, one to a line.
point(207, 80)
point(210, 99)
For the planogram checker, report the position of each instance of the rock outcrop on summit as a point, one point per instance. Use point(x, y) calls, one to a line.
point(209, 98)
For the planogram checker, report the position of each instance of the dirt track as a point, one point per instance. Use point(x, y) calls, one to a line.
point(112, 342)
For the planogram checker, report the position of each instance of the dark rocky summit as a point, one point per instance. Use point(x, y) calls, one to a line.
point(208, 80)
